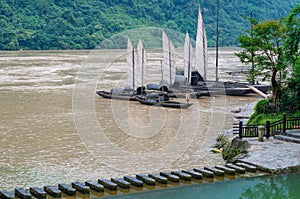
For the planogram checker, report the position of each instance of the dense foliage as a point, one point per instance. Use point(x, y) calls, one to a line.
point(274, 46)
point(263, 48)
point(291, 98)
point(77, 24)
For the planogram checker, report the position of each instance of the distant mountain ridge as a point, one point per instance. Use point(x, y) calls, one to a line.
point(84, 24)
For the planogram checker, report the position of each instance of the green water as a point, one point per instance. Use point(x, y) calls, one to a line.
point(267, 187)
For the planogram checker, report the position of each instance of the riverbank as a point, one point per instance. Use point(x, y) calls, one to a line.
point(272, 156)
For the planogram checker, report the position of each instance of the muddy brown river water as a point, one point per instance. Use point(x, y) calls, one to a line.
point(54, 128)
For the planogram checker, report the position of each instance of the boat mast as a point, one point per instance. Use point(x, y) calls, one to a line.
point(252, 53)
point(133, 79)
point(143, 69)
point(130, 64)
point(161, 70)
point(217, 42)
point(189, 63)
point(170, 64)
point(204, 39)
point(187, 57)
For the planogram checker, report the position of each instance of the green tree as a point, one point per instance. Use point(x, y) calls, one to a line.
point(293, 36)
point(292, 96)
point(264, 48)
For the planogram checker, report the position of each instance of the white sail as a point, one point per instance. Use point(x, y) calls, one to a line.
point(166, 54)
point(201, 47)
point(187, 58)
point(130, 64)
point(141, 64)
point(204, 50)
point(169, 60)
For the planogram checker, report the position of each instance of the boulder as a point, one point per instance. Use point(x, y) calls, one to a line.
point(235, 150)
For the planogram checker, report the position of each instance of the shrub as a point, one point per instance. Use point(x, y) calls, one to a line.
point(262, 106)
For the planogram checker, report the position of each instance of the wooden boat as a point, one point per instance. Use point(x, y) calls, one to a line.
point(136, 75)
point(164, 103)
point(120, 96)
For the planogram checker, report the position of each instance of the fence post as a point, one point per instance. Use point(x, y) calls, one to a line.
point(241, 129)
point(268, 129)
point(284, 123)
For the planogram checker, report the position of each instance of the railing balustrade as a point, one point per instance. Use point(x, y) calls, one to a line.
point(277, 127)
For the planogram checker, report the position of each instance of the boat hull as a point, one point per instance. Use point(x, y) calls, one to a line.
point(167, 104)
point(108, 95)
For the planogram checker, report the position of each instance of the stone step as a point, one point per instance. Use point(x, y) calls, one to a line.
point(205, 173)
point(217, 172)
point(7, 194)
point(67, 189)
point(108, 184)
point(22, 193)
point(194, 174)
point(182, 175)
point(81, 187)
point(159, 178)
point(293, 133)
point(238, 169)
point(53, 191)
point(146, 179)
point(95, 186)
point(134, 181)
point(227, 170)
point(248, 167)
point(37, 192)
point(287, 138)
point(121, 182)
point(170, 176)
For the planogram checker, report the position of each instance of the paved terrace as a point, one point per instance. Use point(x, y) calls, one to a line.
point(272, 155)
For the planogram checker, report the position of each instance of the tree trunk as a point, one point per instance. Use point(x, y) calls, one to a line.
point(275, 86)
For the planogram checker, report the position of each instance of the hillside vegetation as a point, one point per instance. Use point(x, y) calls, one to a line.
point(84, 24)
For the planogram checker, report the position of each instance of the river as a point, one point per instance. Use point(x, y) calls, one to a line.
point(54, 128)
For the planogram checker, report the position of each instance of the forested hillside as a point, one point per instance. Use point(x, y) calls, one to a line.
point(84, 24)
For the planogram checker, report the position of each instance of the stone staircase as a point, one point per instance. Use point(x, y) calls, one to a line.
point(290, 136)
point(235, 128)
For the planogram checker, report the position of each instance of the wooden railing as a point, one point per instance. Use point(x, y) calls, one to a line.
point(278, 127)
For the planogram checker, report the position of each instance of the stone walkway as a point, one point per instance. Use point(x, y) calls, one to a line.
point(275, 156)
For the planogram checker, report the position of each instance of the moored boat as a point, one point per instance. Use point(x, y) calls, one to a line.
point(161, 100)
point(110, 95)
